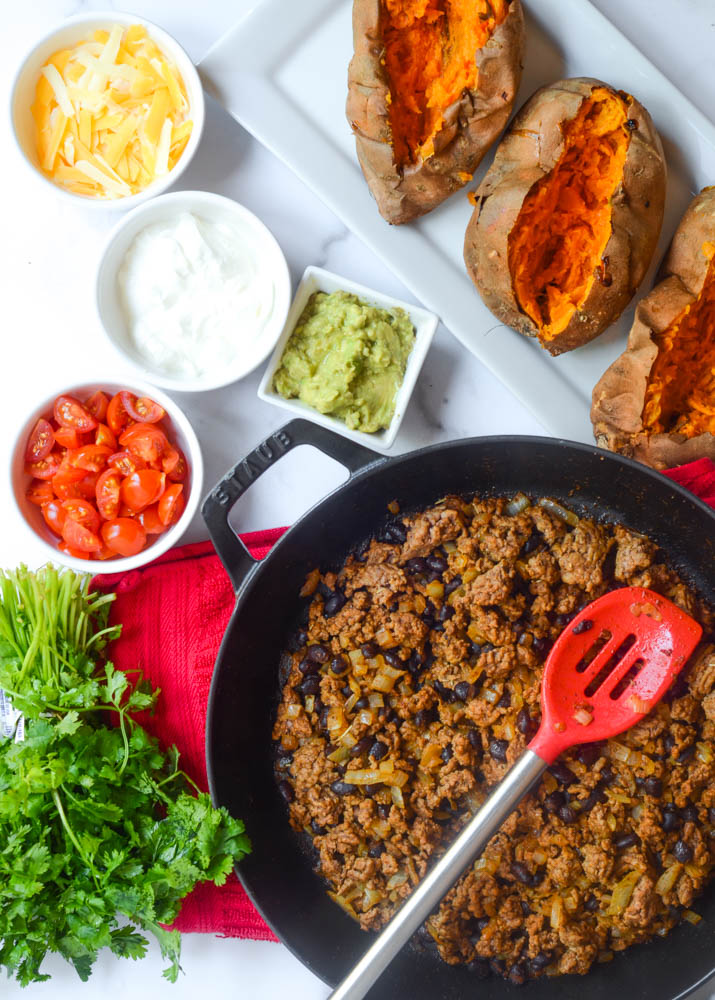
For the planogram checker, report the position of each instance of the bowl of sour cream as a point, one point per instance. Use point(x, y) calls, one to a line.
point(193, 290)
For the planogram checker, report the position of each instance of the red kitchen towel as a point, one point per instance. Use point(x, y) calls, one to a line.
point(173, 614)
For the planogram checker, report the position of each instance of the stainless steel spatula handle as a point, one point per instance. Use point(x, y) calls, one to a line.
point(437, 883)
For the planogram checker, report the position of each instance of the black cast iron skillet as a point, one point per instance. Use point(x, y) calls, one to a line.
point(278, 874)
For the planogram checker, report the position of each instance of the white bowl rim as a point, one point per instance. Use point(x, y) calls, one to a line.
point(171, 535)
point(283, 286)
point(383, 440)
point(166, 42)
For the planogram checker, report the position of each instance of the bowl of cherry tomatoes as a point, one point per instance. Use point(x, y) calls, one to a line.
point(108, 473)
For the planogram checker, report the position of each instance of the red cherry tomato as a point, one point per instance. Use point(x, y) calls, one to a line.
point(150, 521)
point(146, 441)
point(174, 464)
point(83, 512)
point(117, 416)
point(171, 504)
point(69, 412)
point(107, 493)
point(68, 437)
point(91, 457)
point(78, 536)
point(125, 462)
point(39, 491)
point(142, 488)
point(86, 486)
point(68, 550)
point(105, 437)
point(97, 405)
point(41, 441)
point(46, 468)
point(141, 408)
point(54, 515)
point(124, 535)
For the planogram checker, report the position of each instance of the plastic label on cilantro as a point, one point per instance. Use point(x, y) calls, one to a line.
point(12, 722)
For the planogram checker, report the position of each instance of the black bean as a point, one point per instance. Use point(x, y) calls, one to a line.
point(339, 665)
point(674, 911)
point(668, 742)
point(671, 819)
point(369, 650)
point(311, 685)
point(307, 666)
point(523, 721)
point(437, 563)
point(278, 751)
point(334, 604)
point(498, 749)
point(591, 904)
point(538, 877)
point(585, 626)
point(525, 908)
point(532, 542)
point(594, 797)
point(446, 612)
point(378, 750)
point(563, 620)
point(415, 662)
point(297, 641)
point(521, 872)
point(346, 691)
point(383, 810)
point(318, 653)
point(588, 753)
point(682, 852)
point(286, 790)
point(371, 790)
point(363, 702)
point(394, 661)
point(376, 850)
point(424, 717)
point(324, 713)
point(317, 829)
point(476, 741)
point(540, 961)
point(283, 763)
point(397, 532)
point(480, 968)
point(622, 840)
point(711, 816)
point(454, 584)
point(518, 973)
point(690, 813)
point(446, 694)
point(686, 754)
point(361, 747)
point(447, 754)
point(463, 691)
point(554, 801)
point(563, 774)
point(541, 646)
point(567, 814)
point(416, 566)
point(386, 715)
point(505, 700)
point(606, 775)
point(342, 788)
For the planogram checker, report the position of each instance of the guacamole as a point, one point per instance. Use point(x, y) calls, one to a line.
point(347, 358)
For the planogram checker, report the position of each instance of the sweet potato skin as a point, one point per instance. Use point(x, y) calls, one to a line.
point(471, 124)
point(530, 150)
point(619, 396)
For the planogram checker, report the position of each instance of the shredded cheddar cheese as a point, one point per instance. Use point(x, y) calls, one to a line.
point(111, 114)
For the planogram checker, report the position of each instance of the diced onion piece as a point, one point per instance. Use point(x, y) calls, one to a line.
point(350, 703)
point(435, 588)
point(517, 505)
point(692, 917)
point(293, 711)
point(384, 637)
point(431, 756)
point(622, 893)
point(339, 755)
point(365, 716)
point(397, 797)
point(619, 751)
point(376, 700)
point(492, 696)
point(639, 705)
point(311, 583)
point(488, 864)
point(539, 857)
point(605, 956)
point(474, 634)
point(583, 717)
point(558, 511)
point(336, 719)
point(348, 738)
point(704, 752)
point(556, 917)
point(343, 904)
point(310, 703)
point(399, 878)
point(371, 898)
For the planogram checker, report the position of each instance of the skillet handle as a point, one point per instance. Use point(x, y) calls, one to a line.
point(218, 504)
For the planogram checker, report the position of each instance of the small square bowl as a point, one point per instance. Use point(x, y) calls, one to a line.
point(315, 279)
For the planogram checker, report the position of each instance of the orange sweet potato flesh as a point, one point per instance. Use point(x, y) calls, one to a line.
point(680, 392)
point(430, 48)
point(556, 246)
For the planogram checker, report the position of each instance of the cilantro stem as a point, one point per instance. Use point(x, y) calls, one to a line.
point(70, 833)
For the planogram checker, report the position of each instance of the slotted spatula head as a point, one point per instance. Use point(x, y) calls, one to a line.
point(610, 666)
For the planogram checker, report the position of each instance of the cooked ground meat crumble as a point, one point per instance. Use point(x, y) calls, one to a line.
point(415, 685)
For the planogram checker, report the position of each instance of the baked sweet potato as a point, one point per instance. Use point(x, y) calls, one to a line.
point(430, 87)
point(567, 218)
point(656, 402)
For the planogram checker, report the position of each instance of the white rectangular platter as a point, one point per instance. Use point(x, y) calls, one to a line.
point(282, 73)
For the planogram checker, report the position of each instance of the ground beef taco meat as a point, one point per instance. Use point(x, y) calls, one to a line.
point(415, 684)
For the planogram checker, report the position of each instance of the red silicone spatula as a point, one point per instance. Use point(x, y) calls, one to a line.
point(605, 672)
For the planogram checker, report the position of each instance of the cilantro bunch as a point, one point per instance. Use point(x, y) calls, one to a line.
point(101, 833)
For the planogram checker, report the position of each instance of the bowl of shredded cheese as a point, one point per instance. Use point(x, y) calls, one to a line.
point(108, 109)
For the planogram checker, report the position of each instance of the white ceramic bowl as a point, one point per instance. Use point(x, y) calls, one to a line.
point(180, 431)
point(71, 31)
point(315, 279)
point(213, 208)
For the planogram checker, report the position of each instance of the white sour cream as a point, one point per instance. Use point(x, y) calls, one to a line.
point(194, 295)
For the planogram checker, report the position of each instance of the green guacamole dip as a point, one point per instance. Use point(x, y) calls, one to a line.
point(348, 359)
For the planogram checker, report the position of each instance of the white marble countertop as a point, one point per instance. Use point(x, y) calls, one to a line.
point(50, 336)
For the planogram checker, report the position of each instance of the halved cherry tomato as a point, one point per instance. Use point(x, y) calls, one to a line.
point(41, 441)
point(142, 488)
point(150, 521)
point(66, 482)
point(97, 405)
point(107, 493)
point(117, 416)
point(87, 487)
point(141, 408)
point(174, 464)
point(46, 468)
point(69, 551)
point(125, 463)
point(69, 412)
point(68, 437)
point(83, 512)
point(78, 536)
point(146, 441)
point(39, 491)
point(171, 504)
point(91, 457)
point(54, 515)
point(105, 437)
point(124, 535)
